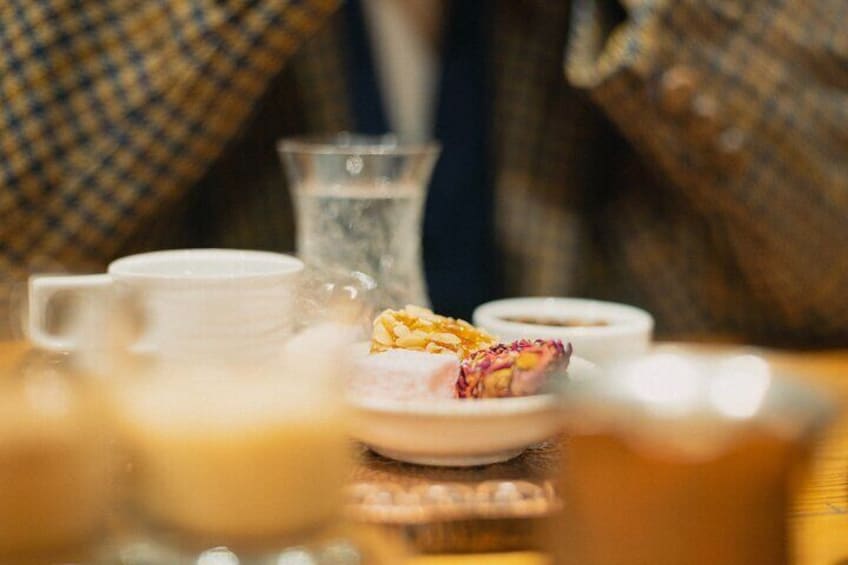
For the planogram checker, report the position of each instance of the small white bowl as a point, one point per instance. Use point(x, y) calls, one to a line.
point(627, 332)
point(460, 432)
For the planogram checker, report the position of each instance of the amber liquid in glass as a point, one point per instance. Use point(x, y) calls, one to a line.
point(630, 505)
point(55, 487)
point(231, 464)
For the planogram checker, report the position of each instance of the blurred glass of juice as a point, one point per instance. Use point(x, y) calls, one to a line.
point(248, 459)
point(676, 458)
point(55, 481)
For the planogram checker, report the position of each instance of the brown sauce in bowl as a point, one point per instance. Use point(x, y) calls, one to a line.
point(555, 322)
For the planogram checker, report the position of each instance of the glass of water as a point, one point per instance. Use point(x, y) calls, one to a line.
point(359, 204)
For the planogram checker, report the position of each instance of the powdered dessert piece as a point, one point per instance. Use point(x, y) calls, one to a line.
point(400, 374)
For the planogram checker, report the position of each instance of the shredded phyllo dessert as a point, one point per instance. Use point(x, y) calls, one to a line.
point(419, 329)
point(519, 368)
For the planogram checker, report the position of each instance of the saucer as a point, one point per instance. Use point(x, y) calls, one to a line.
point(460, 432)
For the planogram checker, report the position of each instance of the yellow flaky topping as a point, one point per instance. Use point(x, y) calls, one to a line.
point(420, 329)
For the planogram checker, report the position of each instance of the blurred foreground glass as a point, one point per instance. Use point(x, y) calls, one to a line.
point(242, 459)
point(56, 487)
point(234, 454)
point(680, 459)
point(359, 202)
point(249, 458)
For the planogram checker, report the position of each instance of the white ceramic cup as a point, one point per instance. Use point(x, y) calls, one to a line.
point(193, 300)
point(627, 331)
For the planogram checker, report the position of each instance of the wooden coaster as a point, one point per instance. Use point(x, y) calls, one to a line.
point(442, 509)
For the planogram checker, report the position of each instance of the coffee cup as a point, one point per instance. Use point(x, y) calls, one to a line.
point(601, 332)
point(191, 301)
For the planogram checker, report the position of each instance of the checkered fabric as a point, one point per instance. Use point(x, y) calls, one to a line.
point(721, 209)
point(746, 229)
point(110, 110)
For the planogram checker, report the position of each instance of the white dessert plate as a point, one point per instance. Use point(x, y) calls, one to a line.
point(459, 432)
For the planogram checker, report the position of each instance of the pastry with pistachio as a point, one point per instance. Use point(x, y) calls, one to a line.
point(520, 368)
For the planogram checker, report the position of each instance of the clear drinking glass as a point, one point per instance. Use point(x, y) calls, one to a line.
point(359, 204)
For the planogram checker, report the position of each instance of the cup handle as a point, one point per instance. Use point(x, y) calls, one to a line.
point(42, 289)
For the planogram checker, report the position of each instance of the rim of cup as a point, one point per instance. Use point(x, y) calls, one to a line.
point(358, 144)
point(622, 319)
point(205, 265)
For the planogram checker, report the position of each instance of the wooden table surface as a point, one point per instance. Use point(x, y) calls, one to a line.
point(819, 517)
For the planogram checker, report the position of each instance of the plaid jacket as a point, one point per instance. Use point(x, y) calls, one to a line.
point(691, 159)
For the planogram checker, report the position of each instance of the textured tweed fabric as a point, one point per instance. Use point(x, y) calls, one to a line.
point(689, 157)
